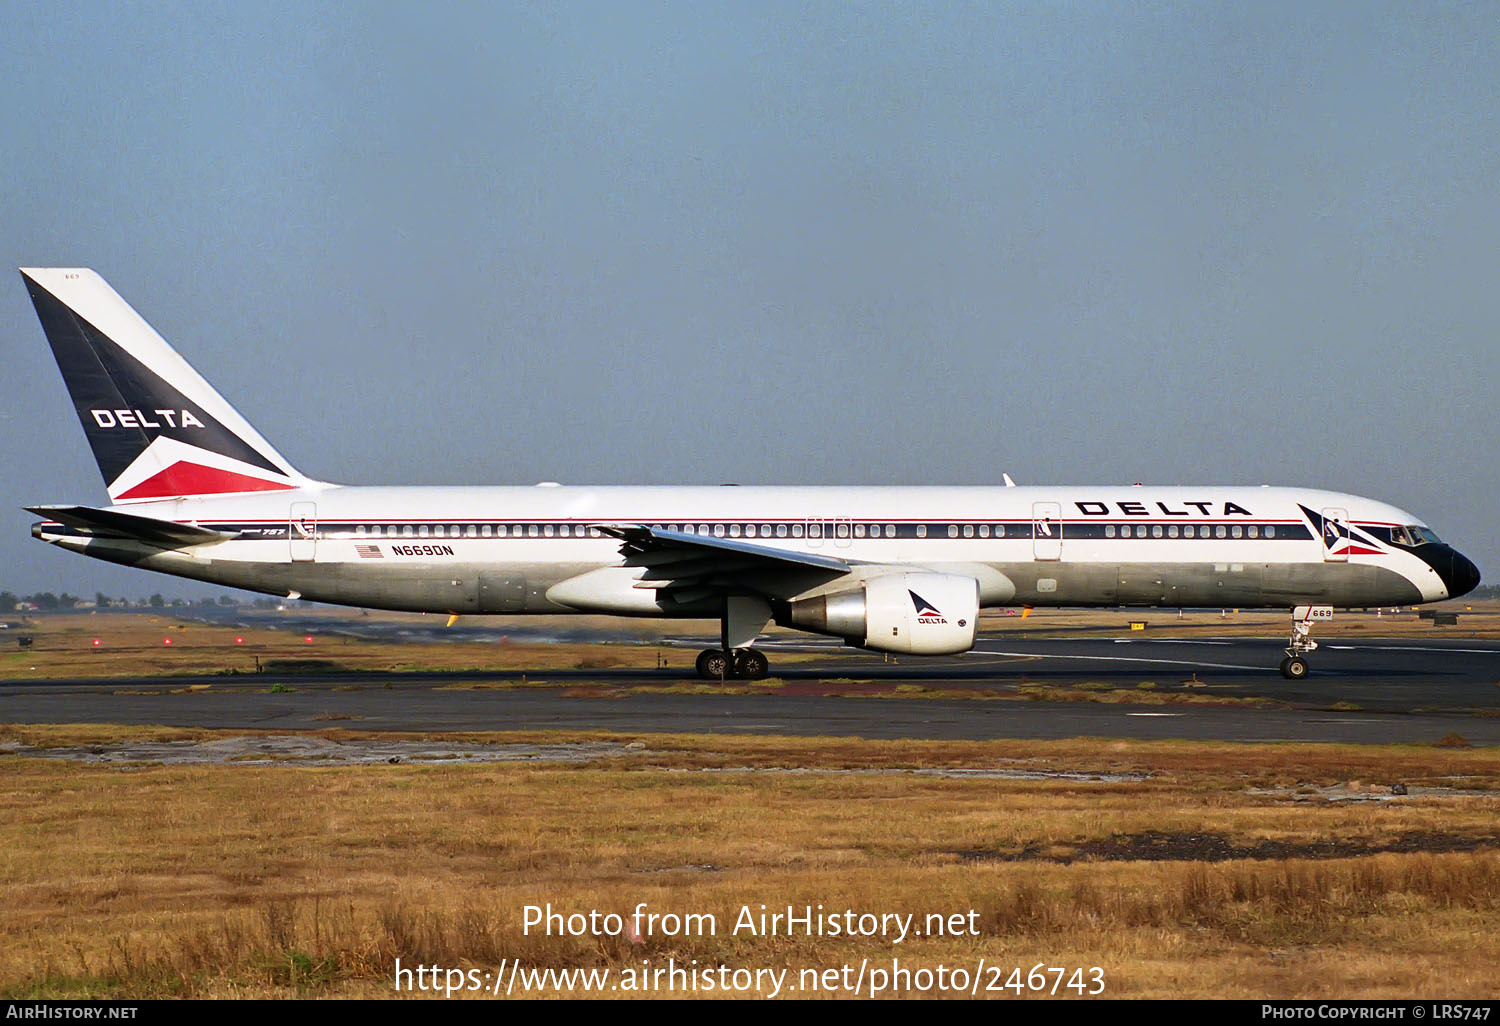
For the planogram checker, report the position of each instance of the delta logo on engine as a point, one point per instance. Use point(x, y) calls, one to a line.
point(927, 612)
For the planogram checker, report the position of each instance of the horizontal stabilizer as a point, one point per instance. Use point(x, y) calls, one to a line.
point(108, 523)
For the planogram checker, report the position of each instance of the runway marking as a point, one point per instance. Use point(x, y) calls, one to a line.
point(1412, 648)
point(1168, 641)
point(999, 658)
point(1123, 659)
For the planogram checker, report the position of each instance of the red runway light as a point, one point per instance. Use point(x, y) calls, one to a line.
point(239, 641)
point(308, 639)
point(166, 641)
point(97, 642)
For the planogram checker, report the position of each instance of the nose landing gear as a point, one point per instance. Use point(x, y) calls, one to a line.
point(1294, 666)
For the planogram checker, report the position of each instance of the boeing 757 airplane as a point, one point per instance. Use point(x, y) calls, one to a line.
point(195, 491)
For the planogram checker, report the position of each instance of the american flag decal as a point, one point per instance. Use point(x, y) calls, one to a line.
point(369, 552)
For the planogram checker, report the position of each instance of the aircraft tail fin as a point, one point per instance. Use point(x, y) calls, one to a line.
point(158, 430)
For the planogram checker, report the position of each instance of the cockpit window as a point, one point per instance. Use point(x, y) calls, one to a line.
point(1414, 534)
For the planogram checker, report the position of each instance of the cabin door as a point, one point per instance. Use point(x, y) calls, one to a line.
point(1046, 530)
point(302, 531)
point(1335, 535)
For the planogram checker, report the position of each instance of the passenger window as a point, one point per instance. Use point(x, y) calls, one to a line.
point(796, 530)
point(815, 530)
point(485, 530)
point(952, 530)
point(968, 530)
point(1253, 531)
point(1270, 531)
point(781, 530)
point(531, 531)
point(999, 530)
point(765, 530)
point(1109, 530)
point(1156, 530)
point(890, 530)
point(1236, 531)
point(859, 530)
point(1219, 531)
point(1171, 530)
point(921, 530)
point(841, 530)
point(734, 530)
point(984, 530)
point(547, 530)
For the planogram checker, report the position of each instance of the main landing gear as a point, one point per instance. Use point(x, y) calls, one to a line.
point(742, 620)
point(740, 664)
point(1294, 666)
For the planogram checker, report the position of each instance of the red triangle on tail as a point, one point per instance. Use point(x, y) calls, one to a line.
point(183, 478)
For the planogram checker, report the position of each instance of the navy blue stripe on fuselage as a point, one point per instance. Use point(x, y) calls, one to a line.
point(838, 532)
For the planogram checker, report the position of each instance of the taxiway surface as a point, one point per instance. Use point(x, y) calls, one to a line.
point(1373, 691)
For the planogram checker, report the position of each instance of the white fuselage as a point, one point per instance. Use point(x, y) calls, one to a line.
point(525, 549)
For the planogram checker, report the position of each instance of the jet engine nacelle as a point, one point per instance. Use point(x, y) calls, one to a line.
point(917, 613)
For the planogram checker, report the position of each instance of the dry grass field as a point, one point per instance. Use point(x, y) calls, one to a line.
point(1180, 870)
point(135, 644)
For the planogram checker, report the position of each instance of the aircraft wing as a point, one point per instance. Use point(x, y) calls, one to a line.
point(109, 523)
point(643, 541)
point(693, 566)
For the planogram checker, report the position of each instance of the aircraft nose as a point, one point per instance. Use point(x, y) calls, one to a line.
point(1460, 575)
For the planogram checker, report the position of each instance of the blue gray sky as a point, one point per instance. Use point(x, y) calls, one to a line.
point(776, 243)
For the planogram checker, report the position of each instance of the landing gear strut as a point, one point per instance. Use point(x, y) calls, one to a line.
point(1294, 666)
point(746, 664)
point(742, 620)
